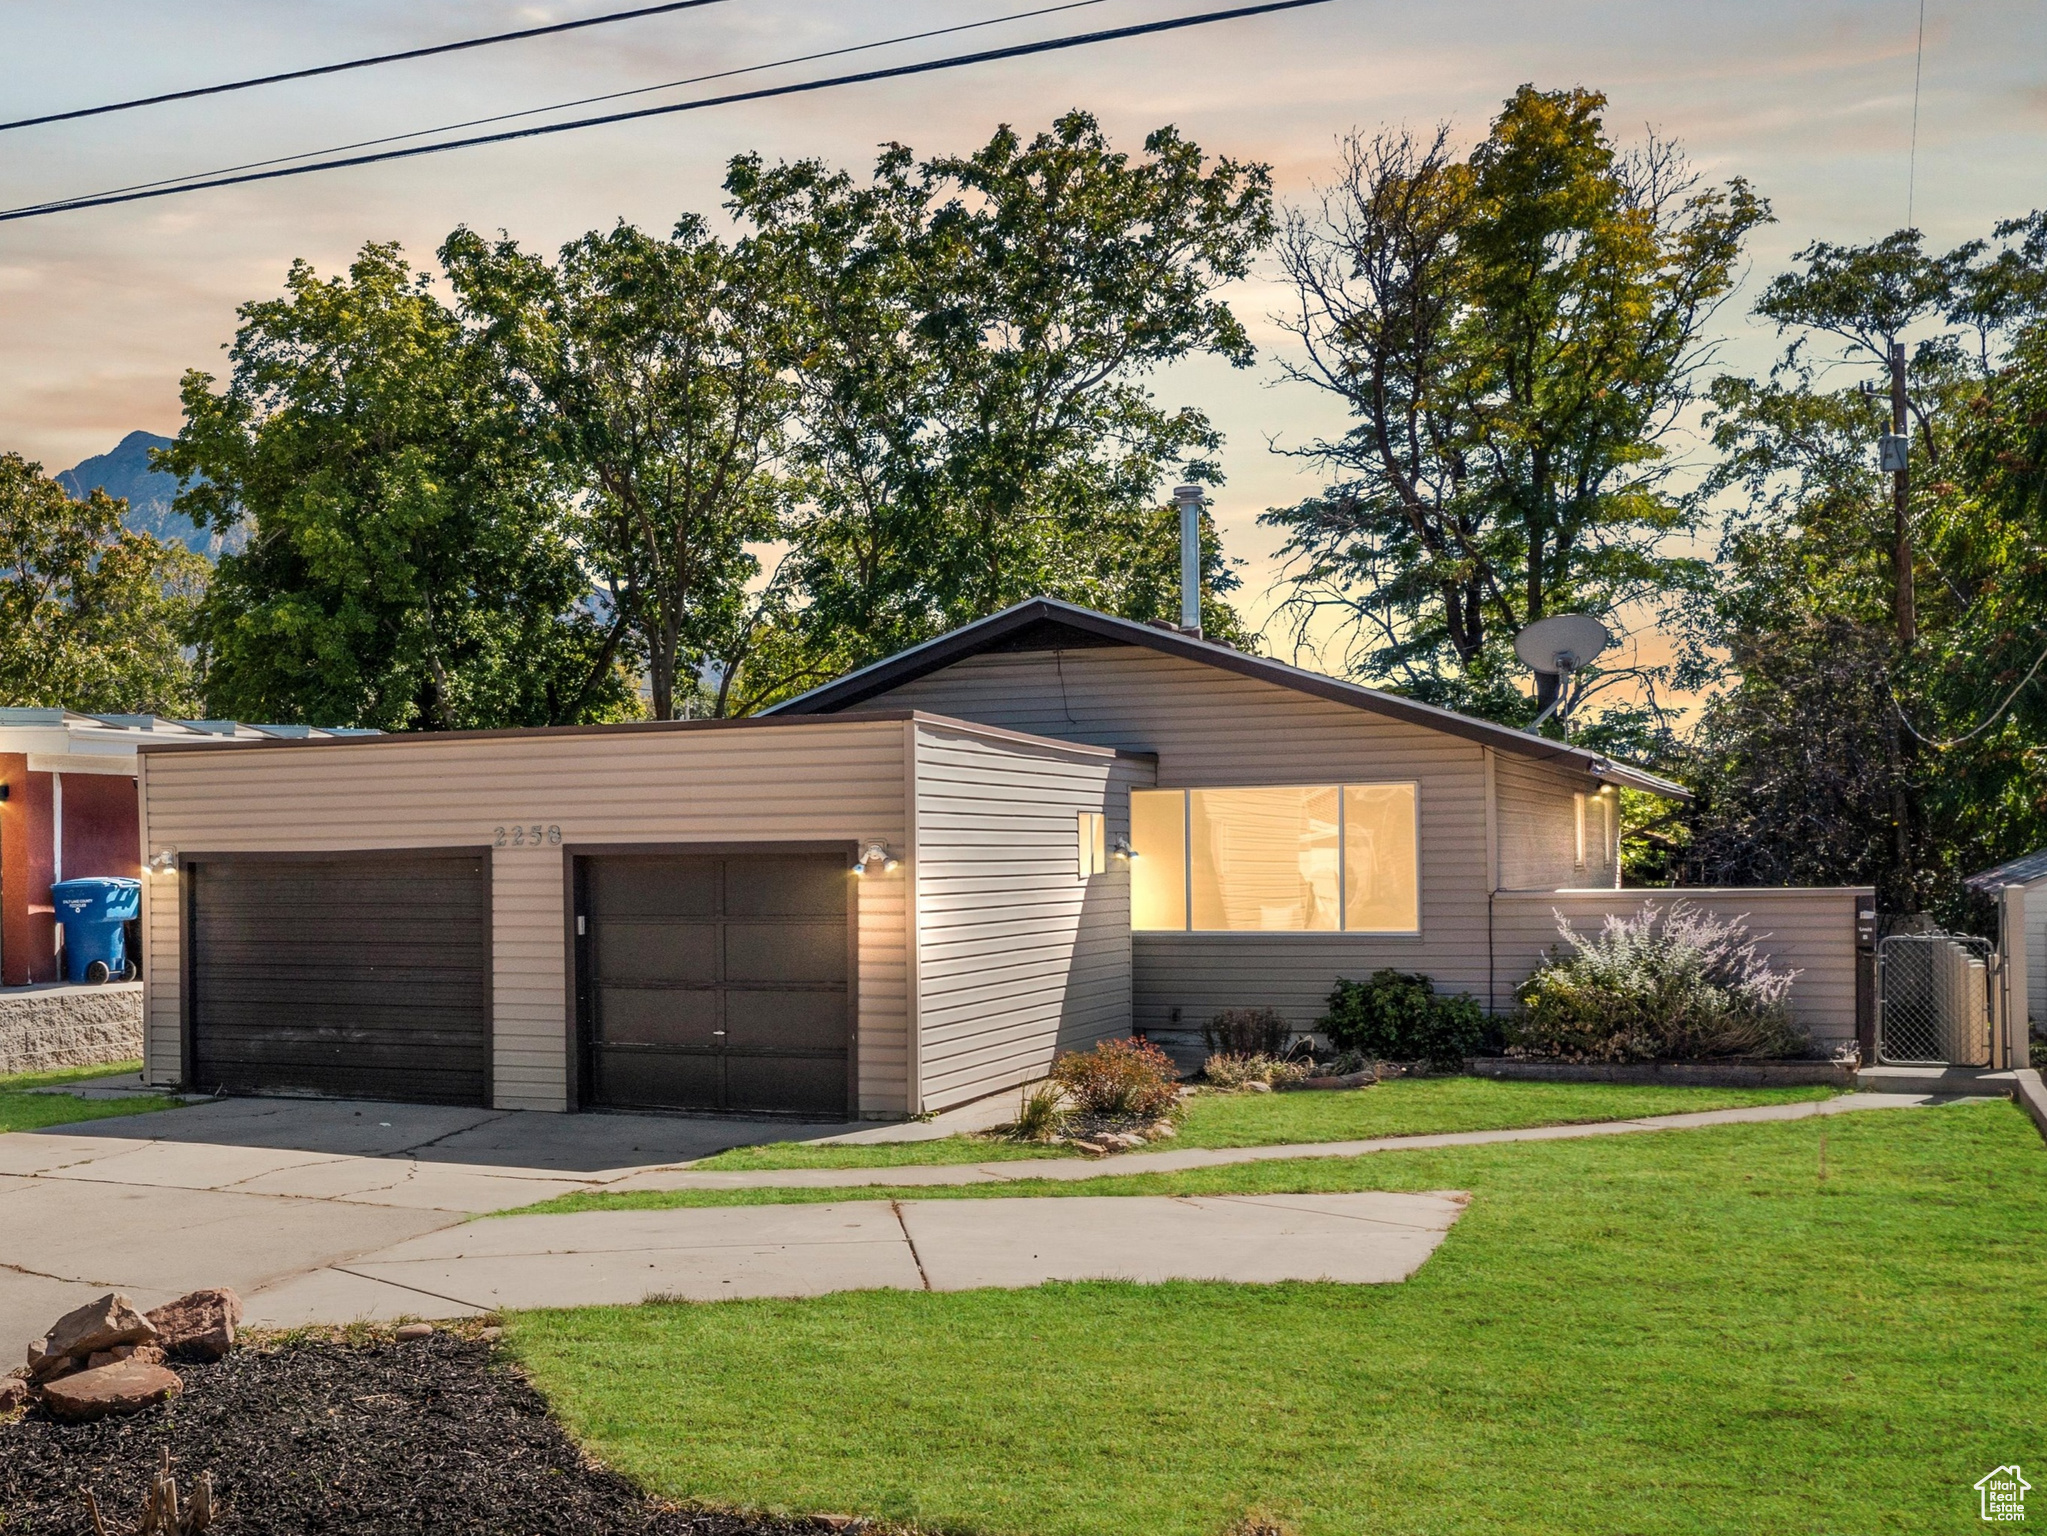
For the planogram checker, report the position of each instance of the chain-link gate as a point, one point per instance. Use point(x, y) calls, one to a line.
point(1933, 1000)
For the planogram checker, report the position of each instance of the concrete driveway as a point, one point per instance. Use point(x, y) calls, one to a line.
point(252, 1192)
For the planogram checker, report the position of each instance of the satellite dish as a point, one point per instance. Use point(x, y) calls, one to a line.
point(1563, 642)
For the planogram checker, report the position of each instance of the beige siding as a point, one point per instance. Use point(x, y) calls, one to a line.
point(1018, 957)
point(1538, 827)
point(823, 781)
point(2035, 929)
point(1809, 931)
point(1211, 727)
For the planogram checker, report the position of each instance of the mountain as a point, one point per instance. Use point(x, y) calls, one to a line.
point(126, 473)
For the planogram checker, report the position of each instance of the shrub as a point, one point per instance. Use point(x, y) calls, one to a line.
point(1669, 984)
point(1226, 1070)
point(1119, 1077)
point(1396, 1016)
point(1038, 1116)
point(1247, 1032)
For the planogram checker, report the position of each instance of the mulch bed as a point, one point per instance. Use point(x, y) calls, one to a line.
point(427, 1438)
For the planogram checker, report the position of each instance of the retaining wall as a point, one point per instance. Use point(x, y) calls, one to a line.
point(44, 1028)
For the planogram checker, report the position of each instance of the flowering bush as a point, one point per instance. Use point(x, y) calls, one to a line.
point(1670, 984)
point(1226, 1070)
point(1119, 1077)
point(1396, 1016)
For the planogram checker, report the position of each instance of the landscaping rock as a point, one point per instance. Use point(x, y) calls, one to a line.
point(1254, 1086)
point(1092, 1148)
point(1361, 1079)
point(97, 1325)
point(1164, 1131)
point(199, 1325)
point(13, 1394)
point(407, 1332)
point(121, 1387)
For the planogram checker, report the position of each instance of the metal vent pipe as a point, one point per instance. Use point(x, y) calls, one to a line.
point(1188, 498)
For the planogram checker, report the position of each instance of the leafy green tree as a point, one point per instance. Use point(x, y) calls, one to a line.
point(405, 567)
point(92, 616)
point(1515, 334)
point(658, 372)
point(975, 336)
point(1839, 752)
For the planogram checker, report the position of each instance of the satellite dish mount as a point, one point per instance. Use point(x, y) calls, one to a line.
point(1558, 646)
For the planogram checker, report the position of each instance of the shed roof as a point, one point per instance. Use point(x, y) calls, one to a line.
point(1046, 623)
point(2022, 870)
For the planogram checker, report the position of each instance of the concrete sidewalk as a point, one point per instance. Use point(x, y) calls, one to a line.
point(618, 1258)
point(1186, 1158)
point(257, 1193)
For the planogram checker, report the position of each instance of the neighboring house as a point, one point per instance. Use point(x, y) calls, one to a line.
point(2030, 872)
point(68, 809)
point(897, 893)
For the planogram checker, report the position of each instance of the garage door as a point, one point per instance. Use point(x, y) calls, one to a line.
point(717, 981)
point(365, 977)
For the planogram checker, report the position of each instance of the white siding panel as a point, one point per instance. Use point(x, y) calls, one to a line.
point(1211, 727)
point(1806, 930)
point(1018, 958)
point(824, 782)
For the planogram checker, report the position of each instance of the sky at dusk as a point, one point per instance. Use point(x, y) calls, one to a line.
point(102, 310)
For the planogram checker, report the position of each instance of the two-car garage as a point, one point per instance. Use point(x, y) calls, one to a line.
point(705, 980)
point(800, 916)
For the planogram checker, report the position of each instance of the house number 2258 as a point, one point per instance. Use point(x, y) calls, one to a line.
point(531, 835)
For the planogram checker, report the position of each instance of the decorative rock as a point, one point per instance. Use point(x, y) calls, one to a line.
point(13, 1394)
point(121, 1387)
point(199, 1325)
point(407, 1332)
point(1255, 1086)
point(147, 1352)
point(97, 1325)
point(836, 1522)
point(491, 1335)
point(1093, 1148)
point(1164, 1130)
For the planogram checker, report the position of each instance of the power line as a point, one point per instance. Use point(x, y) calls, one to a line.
point(957, 61)
point(335, 69)
point(583, 101)
point(1912, 160)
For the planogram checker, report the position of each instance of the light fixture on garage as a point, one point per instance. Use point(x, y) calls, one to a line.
point(874, 852)
point(1119, 848)
point(163, 861)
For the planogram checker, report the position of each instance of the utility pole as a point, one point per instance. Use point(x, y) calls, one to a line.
point(1904, 605)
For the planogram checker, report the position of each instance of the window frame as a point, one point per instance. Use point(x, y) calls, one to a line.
point(1186, 794)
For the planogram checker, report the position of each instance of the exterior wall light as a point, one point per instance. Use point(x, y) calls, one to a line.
point(874, 851)
point(1119, 848)
point(163, 861)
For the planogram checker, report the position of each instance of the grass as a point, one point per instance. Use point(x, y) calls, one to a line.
point(1402, 1107)
point(21, 1110)
point(1834, 1324)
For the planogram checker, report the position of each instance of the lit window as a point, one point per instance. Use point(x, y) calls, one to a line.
point(1578, 809)
point(1276, 859)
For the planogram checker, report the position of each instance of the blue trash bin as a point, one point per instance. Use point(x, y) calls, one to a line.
point(92, 912)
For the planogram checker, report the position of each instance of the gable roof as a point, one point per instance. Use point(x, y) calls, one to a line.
point(2022, 870)
point(1045, 623)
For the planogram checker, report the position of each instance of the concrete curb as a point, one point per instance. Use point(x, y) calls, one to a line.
point(2032, 1097)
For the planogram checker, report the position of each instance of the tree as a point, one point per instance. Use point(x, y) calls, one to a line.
point(1515, 334)
point(405, 567)
point(92, 616)
point(975, 332)
point(658, 372)
point(1847, 748)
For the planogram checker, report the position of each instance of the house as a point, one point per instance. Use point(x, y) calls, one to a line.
point(2029, 872)
point(897, 893)
point(68, 809)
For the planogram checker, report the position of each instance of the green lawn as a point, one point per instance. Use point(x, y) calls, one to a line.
point(1403, 1107)
point(1829, 1325)
point(21, 1110)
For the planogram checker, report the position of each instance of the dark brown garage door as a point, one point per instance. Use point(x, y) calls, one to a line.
point(364, 977)
point(717, 981)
